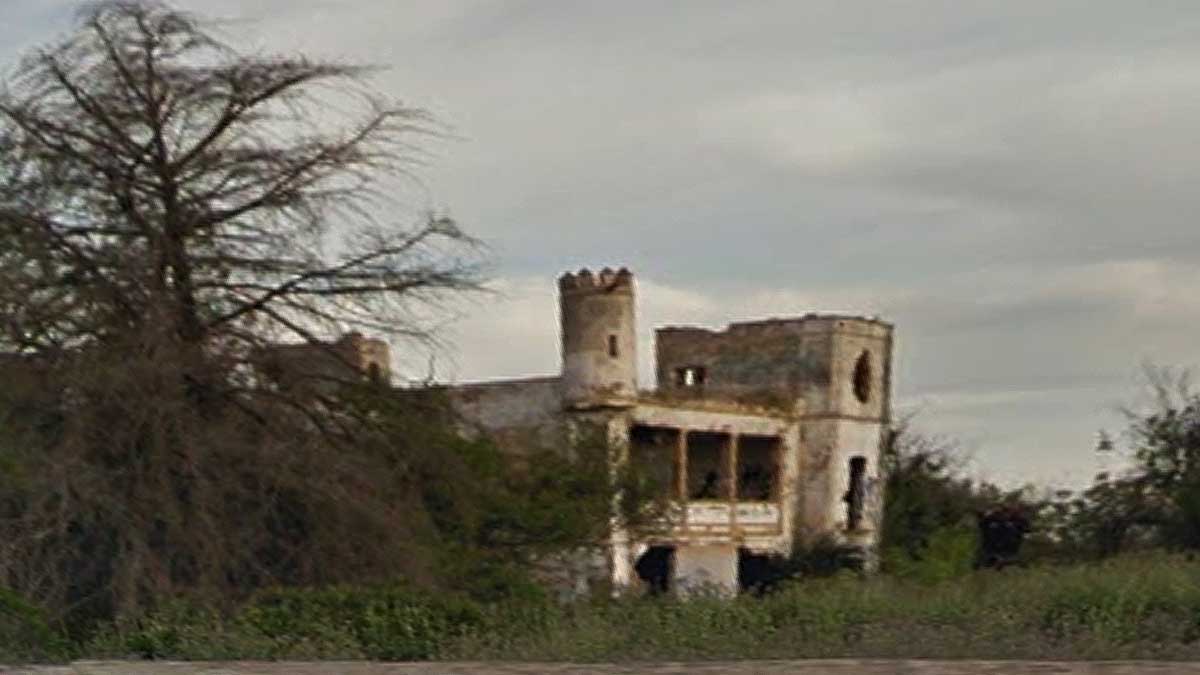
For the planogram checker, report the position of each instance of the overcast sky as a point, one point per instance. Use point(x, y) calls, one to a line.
point(1013, 184)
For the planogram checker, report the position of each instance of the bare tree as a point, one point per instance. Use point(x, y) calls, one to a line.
point(169, 208)
point(153, 179)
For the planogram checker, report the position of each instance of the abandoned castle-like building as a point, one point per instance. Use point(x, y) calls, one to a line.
point(772, 429)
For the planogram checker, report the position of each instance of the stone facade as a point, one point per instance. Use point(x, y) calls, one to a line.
point(319, 365)
point(771, 429)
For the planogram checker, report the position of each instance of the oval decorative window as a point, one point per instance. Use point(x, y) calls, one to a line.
point(862, 377)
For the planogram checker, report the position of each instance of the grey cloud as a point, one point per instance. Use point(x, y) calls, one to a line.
point(1011, 183)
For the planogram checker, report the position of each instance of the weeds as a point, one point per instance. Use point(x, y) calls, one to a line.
point(1130, 607)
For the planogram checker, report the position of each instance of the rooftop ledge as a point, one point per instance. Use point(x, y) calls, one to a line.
point(764, 404)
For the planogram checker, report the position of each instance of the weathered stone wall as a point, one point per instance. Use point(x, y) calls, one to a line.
point(780, 361)
point(706, 568)
point(350, 357)
point(513, 410)
point(599, 338)
point(765, 362)
point(825, 478)
point(848, 420)
point(855, 342)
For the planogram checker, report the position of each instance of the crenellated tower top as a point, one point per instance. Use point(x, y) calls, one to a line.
point(599, 338)
point(606, 280)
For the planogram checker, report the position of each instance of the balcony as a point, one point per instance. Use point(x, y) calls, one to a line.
point(727, 484)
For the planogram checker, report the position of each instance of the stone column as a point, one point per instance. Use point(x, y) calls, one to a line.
point(681, 480)
point(731, 468)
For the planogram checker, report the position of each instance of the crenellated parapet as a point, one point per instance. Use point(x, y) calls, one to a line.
point(606, 280)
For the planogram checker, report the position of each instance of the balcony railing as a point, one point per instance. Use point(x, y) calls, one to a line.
point(722, 519)
point(717, 514)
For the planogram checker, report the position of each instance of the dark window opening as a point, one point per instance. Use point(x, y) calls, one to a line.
point(654, 568)
point(690, 376)
point(612, 346)
point(707, 455)
point(758, 468)
point(756, 573)
point(652, 455)
point(862, 377)
point(856, 493)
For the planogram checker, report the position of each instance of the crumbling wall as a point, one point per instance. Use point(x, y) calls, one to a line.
point(860, 369)
point(321, 365)
point(512, 410)
point(831, 445)
point(777, 362)
point(763, 362)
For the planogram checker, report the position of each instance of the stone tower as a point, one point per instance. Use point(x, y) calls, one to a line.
point(848, 418)
point(369, 356)
point(599, 338)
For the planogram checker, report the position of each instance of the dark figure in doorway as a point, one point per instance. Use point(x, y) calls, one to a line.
point(710, 488)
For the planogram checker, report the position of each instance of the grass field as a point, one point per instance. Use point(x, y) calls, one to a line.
point(1128, 608)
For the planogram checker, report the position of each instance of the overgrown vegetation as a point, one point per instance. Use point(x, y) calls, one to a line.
point(1135, 606)
point(1152, 504)
point(171, 210)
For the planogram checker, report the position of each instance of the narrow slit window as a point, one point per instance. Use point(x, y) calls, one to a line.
point(612, 346)
point(856, 493)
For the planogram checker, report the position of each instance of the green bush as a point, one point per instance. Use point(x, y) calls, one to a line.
point(396, 623)
point(949, 554)
point(388, 623)
point(176, 629)
point(25, 632)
